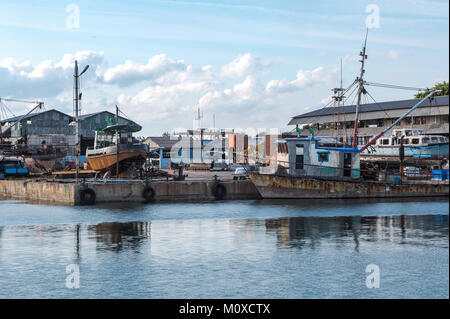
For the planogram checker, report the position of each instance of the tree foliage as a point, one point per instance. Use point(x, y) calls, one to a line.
point(443, 87)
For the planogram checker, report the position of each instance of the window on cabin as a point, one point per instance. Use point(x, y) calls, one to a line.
point(406, 141)
point(323, 156)
point(385, 141)
point(415, 141)
point(425, 140)
point(434, 139)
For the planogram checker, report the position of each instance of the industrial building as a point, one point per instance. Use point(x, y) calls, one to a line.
point(56, 130)
point(161, 147)
point(47, 129)
point(184, 149)
point(431, 117)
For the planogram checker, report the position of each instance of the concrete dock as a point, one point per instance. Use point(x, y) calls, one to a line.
point(128, 191)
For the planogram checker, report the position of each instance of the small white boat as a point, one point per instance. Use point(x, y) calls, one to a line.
point(416, 145)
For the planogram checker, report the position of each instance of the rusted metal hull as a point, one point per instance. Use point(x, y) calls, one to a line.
point(271, 186)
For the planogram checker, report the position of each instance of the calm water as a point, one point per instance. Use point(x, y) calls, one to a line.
point(243, 249)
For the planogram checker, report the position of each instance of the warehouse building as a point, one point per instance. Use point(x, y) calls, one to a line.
point(56, 130)
point(431, 117)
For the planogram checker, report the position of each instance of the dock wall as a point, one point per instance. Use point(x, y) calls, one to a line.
point(68, 193)
point(38, 190)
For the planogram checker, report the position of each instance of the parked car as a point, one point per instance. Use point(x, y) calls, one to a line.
point(219, 167)
point(240, 173)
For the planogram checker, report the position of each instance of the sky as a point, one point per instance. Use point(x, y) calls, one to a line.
point(247, 64)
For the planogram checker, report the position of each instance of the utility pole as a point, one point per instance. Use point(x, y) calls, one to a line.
point(117, 142)
point(361, 90)
point(76, 101)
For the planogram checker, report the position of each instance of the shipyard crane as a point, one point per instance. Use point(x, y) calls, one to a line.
point(39, 105)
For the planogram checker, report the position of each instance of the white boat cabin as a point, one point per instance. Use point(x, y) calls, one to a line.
point(411, 137)
point(308, 158)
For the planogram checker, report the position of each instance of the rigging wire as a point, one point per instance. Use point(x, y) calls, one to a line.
point(378, 105)
point(391, 86)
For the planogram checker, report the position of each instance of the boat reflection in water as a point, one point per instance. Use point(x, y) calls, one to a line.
point(301, 232)
point(120, 236)
point(262, 257)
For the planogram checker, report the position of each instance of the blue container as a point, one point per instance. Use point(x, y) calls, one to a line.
point(440, 174)
point(394, 178)
point(2, 176)
point(22, 171)
point(11, 171)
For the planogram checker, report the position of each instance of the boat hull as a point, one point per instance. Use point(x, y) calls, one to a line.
point(101, 159)
point(272, 186)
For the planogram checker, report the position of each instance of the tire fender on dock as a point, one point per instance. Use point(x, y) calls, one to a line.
point(148, 194)
point(87, 196)
point(219, 191)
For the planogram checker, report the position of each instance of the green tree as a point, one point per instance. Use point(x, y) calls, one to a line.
point(443, 87)
point(166, 134)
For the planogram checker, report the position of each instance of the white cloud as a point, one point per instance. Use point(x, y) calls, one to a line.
point(234, 92)
point(242, 66)
point(159, 102)
point(326, 100)
point(131, 72)
point(48, 78)
point(304, 79)
point(246, 94)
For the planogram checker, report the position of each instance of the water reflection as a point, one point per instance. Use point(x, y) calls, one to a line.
point(120, 236)
point(287, 257)
point(298, 232)
point(404, 229)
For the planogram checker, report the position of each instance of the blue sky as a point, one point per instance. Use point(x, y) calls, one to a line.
point(251, 63)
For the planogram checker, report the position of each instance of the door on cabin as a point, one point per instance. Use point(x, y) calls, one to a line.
point(347, 164)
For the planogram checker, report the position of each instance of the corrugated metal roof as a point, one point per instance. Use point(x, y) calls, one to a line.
point(12, 119)
point(85, 116)
point(81, 117)
point(373, 107)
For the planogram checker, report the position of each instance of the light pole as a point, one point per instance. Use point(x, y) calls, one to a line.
point(76, 99)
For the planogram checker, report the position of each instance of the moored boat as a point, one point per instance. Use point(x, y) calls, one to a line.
point(416, 145)
point(108, 151)
point(317, 170)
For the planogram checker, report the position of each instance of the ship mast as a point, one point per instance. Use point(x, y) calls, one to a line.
point(338, 98)
point(117, 141)
point(361, 90)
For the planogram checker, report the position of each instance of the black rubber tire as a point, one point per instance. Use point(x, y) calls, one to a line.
point(219, 191)
point(87, 196)
point(148, 194)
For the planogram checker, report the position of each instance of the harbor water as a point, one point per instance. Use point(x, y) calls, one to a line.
point(229, 249)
